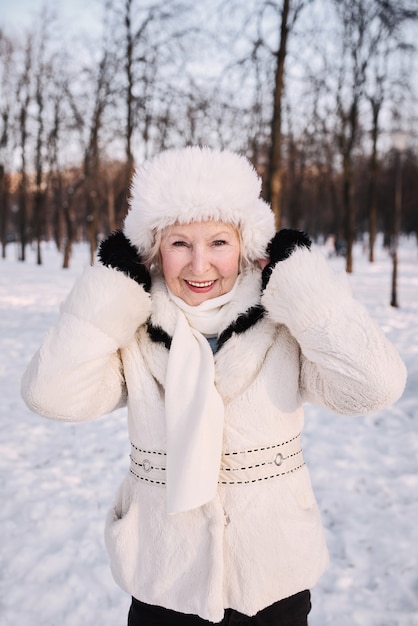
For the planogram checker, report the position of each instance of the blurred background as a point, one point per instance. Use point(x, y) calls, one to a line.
point(321, 95)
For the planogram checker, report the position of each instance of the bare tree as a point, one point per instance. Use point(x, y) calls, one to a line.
point(154, 38)
point(63, 189)
point(23, 99)
point(64, 182)
point(6, 89)
point(355, 53)
point(150, 90)
point(42, 74)
point(376, 100)
point(274, 180)
point(54, 170)
point(381, 85)
point(88, 95)
point(269, 46)
point(69, 195)
point(92, 154)
point(363, 23)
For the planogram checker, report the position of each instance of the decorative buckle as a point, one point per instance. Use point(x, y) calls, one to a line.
point(146, 465)
point(279, 458)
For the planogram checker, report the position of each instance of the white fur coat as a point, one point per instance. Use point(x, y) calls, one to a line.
point(255, 542)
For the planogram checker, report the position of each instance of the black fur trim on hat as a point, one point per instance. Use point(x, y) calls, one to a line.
point(158, 335)
point(242, 323)
point(117, 251)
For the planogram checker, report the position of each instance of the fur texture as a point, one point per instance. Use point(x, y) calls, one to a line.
point(252, 544)
point(283, 244)
point(117, 251)
point(198, 184)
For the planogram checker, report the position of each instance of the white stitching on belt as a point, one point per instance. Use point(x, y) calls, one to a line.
point(237, 468)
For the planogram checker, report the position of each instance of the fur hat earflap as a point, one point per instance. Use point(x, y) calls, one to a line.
point(198, 184)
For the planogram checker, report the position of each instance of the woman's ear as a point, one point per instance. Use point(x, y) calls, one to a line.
point(263, 262)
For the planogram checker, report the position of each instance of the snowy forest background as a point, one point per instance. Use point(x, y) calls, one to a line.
point(322, 96)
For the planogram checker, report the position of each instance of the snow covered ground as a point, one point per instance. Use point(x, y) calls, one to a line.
point(58, 480)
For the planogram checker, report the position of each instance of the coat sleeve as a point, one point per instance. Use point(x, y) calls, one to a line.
point(77, 375)
point(347, 364)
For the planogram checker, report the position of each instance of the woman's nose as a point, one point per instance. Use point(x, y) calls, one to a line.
point(199, 261)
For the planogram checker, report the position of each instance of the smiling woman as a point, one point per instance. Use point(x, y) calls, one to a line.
point(200, 260)
point(214, 357)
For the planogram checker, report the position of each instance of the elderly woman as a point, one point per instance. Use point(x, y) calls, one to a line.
point(214, 331)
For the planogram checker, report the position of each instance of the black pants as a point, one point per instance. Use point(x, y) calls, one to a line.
point(291, 611)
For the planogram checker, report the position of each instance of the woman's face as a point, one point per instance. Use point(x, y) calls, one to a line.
point(200, 260)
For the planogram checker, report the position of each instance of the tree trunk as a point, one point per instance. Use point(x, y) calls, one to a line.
point(348, 214)
point(129, 61)
point(69, 218)
point(372, 195)
point(38, 213)
point(396, 230)
point(111, 205)
point(23, 216)
point(69, 223)
point(93, 221)
point(4, 210)
point(274, 183)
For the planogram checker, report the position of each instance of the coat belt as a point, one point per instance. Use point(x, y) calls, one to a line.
point(237, 468)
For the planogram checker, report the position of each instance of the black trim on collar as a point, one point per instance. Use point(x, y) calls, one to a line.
point(242, 323)
point(158, 335)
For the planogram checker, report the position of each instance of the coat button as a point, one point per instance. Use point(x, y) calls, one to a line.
point(146, 465)
point(279, 459)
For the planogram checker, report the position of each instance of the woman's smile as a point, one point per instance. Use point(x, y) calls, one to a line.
point(209, 283)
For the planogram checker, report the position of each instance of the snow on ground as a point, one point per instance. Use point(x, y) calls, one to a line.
point(58, 480)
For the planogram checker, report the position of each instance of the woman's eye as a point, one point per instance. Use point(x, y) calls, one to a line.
point(179, 244)
point(219, 242)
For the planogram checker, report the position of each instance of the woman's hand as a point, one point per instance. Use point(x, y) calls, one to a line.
point(117, 251)
point(280, 248)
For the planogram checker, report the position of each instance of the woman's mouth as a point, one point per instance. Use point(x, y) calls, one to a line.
point(200, 286)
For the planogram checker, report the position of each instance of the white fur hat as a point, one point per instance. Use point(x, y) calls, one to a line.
point(195, 184)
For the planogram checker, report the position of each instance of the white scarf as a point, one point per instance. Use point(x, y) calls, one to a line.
point(194, 408)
